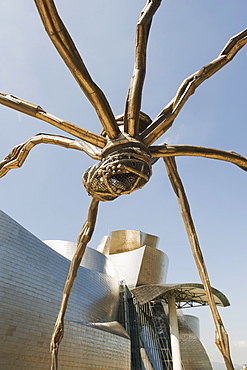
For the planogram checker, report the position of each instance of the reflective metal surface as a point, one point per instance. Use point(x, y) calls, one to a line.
point(128, 240)
point(193, 354)
point(106, 327)
point(135, 257)
point(186, 294)
point(145, 265)
point(32, 276)
point(92, 259)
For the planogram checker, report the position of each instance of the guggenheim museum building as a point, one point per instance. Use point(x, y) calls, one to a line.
point(122, 314)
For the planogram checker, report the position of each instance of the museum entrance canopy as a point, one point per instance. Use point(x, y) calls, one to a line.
point(186, 295)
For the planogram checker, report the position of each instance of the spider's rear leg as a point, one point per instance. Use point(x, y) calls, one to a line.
point(166, 117)
point(221, 334)
point(36, 111)
point(64, 44)
point(164, 151)
point(133, 102)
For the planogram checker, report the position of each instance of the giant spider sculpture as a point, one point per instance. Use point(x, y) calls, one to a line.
point(124, 149)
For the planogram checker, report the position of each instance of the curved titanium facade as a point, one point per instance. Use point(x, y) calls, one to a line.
point(117, 312)
point(136, 258)
point(32, 280)
point(193, 353)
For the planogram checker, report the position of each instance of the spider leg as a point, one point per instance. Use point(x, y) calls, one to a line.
point(82, 241)
point(38, 112)
point(133, 102)
point(20, 152)
point(166, 117)
point(64, 44)
point(221, 334)
point(198, 151)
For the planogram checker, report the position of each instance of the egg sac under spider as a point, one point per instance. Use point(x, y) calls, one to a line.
point(121, 172)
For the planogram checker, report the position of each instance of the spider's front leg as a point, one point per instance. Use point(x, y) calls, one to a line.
point(83, 239)
point(20, 152)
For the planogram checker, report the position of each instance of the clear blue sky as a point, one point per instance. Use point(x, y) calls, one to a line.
point(46, 195)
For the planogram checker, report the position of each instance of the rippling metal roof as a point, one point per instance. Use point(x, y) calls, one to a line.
point(187, 295)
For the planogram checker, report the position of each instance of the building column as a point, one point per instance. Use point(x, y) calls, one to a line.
point(174, 334)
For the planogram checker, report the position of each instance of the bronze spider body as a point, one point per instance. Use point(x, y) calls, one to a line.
point(125, 147)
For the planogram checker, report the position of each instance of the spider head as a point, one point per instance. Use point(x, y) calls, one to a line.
point(121, 171)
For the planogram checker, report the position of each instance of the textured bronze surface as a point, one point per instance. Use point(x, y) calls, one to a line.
point(126, 157)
